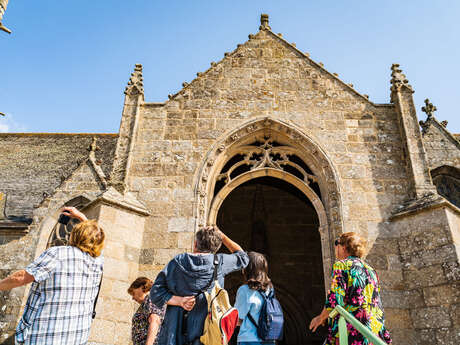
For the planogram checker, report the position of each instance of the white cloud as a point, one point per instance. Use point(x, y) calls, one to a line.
point(9, 125)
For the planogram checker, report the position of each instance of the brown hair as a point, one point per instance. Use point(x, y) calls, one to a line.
point(88, 236)
point(143, 282)
point(208, 239)
point(353, 243)
point(256, 273)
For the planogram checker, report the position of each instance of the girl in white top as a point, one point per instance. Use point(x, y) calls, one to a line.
point(249, 299)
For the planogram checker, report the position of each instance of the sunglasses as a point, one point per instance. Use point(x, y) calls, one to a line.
point(336, 242)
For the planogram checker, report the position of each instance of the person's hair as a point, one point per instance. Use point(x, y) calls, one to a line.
point(353, 243)
point(256, 272)
point(208, 239)
point(88, 236)
point(143, 282)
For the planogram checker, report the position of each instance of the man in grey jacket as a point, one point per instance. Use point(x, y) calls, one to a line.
point(190, 274)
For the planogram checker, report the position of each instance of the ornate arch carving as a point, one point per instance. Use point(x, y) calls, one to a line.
point(268, 146)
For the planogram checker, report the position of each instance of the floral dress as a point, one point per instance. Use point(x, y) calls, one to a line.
point(355, 286)
point(140, 322)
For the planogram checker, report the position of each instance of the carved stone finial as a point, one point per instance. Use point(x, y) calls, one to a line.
point(184, 84)
point(135, 83)
point(264, 22)
point(444, 123)
point(429, 108)
point(93, 146)
point(3, 4)
point(398, 79)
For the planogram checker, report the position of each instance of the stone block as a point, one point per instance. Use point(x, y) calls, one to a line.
point(424, 258)
point(115, 250)
point(397, 318)
point(181, 224)
point(424, 277)
point(448, 336)
point(431, 317)
point(116, 269)
point(402, 299)
point(102, 330)
point(446, 294)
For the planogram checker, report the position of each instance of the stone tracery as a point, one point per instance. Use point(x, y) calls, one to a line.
point(265, 152)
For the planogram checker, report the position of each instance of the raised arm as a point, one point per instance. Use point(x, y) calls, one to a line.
point(231, 245)
point(16, 279)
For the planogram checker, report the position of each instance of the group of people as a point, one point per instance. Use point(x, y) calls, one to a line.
point(66, 282)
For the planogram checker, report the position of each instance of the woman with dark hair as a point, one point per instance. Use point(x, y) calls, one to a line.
point(355, 287)
point(148, 317)
point(249, 300)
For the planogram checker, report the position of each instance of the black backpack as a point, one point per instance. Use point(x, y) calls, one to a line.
point(271, 320)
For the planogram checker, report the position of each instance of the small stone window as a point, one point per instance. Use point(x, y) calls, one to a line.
point(61, 233)
point(447, 182)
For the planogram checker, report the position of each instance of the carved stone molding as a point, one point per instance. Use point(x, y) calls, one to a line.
point(265, 143)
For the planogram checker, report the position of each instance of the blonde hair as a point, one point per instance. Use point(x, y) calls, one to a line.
point(89, 237)
point(353, 243)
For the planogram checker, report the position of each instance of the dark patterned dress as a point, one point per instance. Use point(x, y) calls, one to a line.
point(356, 287)
point(140, 325)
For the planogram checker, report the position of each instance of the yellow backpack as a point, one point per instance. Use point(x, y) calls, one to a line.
point(222, 318)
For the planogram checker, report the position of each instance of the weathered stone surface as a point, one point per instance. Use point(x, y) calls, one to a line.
point(364, 161)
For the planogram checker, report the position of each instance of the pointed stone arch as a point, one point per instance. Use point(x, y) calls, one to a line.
point(266, 147)
point(50, 226)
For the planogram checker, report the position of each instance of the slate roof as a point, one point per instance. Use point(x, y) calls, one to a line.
point(32, 164)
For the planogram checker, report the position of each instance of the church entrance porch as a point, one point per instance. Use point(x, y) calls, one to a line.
point(273, 217)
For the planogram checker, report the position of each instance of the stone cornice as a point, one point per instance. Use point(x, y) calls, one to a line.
point(126, 201)
point(428, 202)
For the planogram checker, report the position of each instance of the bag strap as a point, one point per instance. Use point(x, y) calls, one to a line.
point(252, 319)
point(97, 296)
point(214, 274)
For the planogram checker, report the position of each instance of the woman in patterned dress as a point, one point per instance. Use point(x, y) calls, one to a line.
point(355, 286)
point(147, 319)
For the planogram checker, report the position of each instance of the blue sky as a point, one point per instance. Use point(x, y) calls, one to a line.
point(65, 66)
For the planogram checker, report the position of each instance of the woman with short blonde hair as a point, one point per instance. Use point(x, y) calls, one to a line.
point(355, 287)
point(65, 282)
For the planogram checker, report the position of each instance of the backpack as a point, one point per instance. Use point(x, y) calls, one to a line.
point(222, 318)
point(271, 320)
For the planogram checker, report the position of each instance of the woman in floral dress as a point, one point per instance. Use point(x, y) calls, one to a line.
point(356, 287)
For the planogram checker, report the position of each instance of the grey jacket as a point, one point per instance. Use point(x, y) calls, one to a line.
point(187, 275)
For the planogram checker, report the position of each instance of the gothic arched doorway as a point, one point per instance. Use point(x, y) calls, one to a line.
point(272, 216)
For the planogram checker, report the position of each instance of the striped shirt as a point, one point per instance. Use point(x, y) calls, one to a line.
point(60, 303)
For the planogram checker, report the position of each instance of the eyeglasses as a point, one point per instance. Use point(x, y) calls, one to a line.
point(336, 242)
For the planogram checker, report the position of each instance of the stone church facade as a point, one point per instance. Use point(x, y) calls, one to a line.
point(283, 156)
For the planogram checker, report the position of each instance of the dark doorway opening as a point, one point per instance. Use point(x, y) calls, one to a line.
point(273, 217)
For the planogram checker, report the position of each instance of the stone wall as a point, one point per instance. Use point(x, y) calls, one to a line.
point(268, 77)
point(124, 230)
point(429, 243)
point(441, 148)
point(17, 253)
